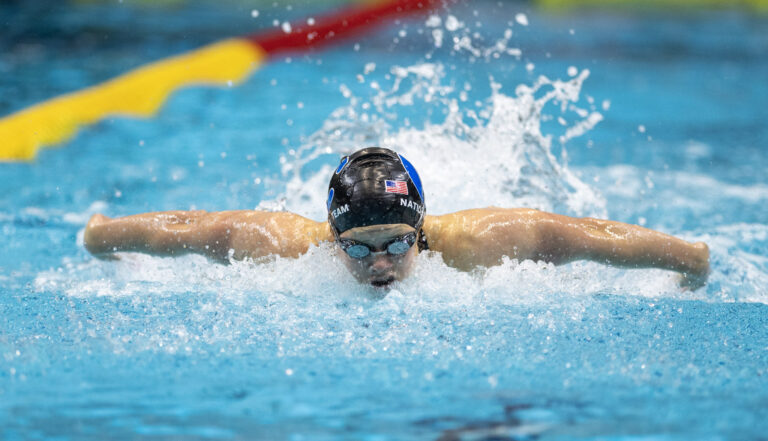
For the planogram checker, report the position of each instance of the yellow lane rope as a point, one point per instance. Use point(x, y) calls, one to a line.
point(138, 93)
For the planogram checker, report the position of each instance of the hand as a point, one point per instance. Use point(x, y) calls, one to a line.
point(692, 282)
point(94, 238)
point(96, 219)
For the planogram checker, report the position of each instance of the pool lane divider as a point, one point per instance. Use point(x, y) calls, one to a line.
point(142, 91)
point(666, 6)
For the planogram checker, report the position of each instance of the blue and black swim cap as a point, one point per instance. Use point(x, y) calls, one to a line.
point(375, 186)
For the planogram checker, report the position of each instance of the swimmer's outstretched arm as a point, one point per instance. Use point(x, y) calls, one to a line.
point(218, 235)
point(484, 236)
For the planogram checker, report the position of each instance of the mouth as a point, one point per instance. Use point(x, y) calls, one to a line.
point(382, 283)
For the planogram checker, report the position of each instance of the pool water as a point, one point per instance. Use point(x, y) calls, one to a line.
point(652, 119)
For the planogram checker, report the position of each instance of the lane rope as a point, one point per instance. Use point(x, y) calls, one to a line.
point(142, 91)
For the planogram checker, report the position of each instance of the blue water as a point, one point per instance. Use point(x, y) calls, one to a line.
point(157, 348)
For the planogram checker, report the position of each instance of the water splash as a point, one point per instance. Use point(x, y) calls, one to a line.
point(492, 153)
point(312, 302)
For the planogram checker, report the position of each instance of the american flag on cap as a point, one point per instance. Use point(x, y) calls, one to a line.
point(399, 187)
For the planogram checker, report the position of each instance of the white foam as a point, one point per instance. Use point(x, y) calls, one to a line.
point(627, 180)
point(318, 280)
point(312, 304)
point(495, 156)
point(55, 215)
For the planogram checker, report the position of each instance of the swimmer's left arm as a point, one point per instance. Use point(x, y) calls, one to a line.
point(482, 237)
point(563, 239)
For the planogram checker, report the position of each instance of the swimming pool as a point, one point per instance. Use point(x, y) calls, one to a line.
point(673, 120)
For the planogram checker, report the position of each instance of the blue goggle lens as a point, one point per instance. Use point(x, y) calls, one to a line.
point(400, 247)
point(397, 247)
point(358, 251)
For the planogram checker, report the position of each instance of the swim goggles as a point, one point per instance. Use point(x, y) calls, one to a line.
point(395, 247)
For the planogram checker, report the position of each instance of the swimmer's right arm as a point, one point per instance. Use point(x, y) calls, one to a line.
point(218, 235)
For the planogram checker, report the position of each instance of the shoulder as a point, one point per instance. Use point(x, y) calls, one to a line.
point(474, 214)
point(281, 232)
point(278, 218)
point(481, 236)
point(281, 220)
point(479, 221)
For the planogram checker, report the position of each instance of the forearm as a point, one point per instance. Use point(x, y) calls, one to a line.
point(161, 233)
point(627, 245)
point(220, 235)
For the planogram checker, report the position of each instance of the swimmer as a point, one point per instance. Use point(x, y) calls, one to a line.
point(378, 220)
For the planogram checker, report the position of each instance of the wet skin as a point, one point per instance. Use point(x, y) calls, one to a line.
point(379, 269)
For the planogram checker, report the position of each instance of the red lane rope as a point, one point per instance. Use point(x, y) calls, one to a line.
point(342, 24)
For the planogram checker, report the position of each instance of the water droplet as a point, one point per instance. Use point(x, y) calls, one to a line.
point(433, 21)
point(453, 24)
point(437, 34)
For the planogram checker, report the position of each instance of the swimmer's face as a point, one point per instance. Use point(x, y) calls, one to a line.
point(379, 268)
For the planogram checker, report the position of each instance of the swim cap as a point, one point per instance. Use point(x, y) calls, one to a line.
point(375, 186)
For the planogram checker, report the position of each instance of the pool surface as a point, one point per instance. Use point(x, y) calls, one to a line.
point(652, 119)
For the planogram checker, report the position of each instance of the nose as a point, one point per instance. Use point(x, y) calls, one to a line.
point(381, 263)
